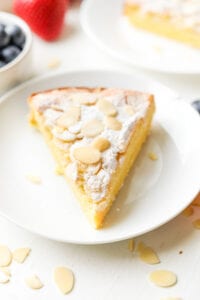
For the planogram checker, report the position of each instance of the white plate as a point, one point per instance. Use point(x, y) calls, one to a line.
point(154, 192)
point(102, 20)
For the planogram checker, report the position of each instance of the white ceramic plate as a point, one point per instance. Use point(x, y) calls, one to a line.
point(154, 192)
point(102, 20)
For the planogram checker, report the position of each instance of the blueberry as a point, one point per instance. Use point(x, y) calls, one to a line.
point(16, 35)
point(9, 53)
point(2, 26)
point(4, 37)
point(196, 105)
point(2, 63)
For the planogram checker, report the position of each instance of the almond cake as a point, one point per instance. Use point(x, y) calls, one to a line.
point(174, 19)
point(95, 135)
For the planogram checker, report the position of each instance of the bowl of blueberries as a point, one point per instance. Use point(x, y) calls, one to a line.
point(15, 51)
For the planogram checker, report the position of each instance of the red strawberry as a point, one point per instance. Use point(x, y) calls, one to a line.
point(45, 17)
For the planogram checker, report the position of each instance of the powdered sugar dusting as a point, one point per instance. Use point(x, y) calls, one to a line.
point(95, 178)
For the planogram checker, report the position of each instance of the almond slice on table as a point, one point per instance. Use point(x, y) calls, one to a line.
point(87, 155)
point(4, 278)
point(70, 117)
point(34, 282)
point(64, 279)
point(147, 254)
point(5, 256)
point(92, 128)
point(6, 271)
point(20, 254)
point(163, 278)
point(107, 108)
point(101, 144)
point(113, 123)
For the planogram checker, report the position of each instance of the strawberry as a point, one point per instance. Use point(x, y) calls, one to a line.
point(45, 17)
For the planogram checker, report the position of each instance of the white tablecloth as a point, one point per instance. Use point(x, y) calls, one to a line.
point(105, 272)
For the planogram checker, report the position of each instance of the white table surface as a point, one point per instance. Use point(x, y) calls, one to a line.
point(105, 272)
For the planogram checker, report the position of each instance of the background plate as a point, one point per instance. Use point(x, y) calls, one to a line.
point(154, 192)
point(102, 20)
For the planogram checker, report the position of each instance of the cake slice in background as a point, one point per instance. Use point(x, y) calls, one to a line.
point(175, 19)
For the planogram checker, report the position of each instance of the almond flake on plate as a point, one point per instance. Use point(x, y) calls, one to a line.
point(5, 256)
point(34, 282)
point(54, 63)
point(34, 179)
point(20, 254)
point(163, 278)
point(64, 279)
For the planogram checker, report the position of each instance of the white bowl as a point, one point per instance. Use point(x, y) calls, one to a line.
point(20, 68)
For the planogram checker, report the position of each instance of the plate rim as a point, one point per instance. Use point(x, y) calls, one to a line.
point(106, 49)
point(31, 82)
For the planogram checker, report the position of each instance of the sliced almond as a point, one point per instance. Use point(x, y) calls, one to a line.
point(101, 144)
point(107, 108)
point(85, 98)
point(34, 179)
point(70, 117)
point(64, 279)
point(34, 282)
point(6, 271)
point(148, 255)
point(87, 155)
point(5, 256)
point(196, 224)
point(94, 169)
point(4, 278)
point(20, 254)
point(188, 211)
point(152, 156)
point(131, 245)
point(128, 109)
point(92, 128)
point(113, 123)
point(54, 63)
point(163, 278)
